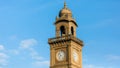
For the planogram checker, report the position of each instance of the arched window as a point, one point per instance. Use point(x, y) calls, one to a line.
point(72, 30)
point(62, 30)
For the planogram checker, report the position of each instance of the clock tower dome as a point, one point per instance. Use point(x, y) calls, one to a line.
point(65, 47)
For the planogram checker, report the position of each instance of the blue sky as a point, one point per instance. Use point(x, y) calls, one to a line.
point(26, 25)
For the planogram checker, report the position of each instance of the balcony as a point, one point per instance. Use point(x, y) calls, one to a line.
point(65, 38)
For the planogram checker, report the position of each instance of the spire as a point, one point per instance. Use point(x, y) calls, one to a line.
point(65, 6)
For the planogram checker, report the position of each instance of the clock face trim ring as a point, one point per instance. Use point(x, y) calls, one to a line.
point(75, 56)
point(60, 55)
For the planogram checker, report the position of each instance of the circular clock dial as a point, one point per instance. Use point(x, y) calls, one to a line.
point(75, 56)
point(60, 55)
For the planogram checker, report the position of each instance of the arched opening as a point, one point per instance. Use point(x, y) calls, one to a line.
point(62, 30)
point(72, 30)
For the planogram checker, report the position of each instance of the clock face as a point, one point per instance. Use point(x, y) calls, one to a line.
point(60, 55)
point(75, 56)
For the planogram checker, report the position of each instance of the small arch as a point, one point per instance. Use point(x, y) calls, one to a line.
point(62, 30)
point(72, 30)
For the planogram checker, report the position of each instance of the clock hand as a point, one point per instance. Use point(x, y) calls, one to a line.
point(59, 55)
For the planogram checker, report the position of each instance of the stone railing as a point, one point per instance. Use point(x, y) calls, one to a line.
point(63, 38)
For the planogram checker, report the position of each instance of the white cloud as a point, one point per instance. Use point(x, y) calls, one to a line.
point(92, 66)
point(41, 63)
point(3, 55)
point(26, 46)
point(39, 60)
point(96, 66)
point(88, 66)
point(1, 47)
point(13, 37)
point(34, 54)
point(28, 43)
point(3, 59)
point(113, 57)
point(16, 52)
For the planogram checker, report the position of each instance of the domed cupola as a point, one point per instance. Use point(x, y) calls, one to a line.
point(65, 12)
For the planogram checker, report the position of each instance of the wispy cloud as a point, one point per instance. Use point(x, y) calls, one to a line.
point(113, 57)
point(3, 59)
point(13, 37)
point(34, 54)
point(41, 63)
point(28, 43)
point(92, 66)
point(95, 66)
point(14, 51)
point(2, 48)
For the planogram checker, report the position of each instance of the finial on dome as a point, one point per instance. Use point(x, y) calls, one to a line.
point(65, 6)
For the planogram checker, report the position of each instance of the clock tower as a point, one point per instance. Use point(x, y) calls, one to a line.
point(65, 48)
